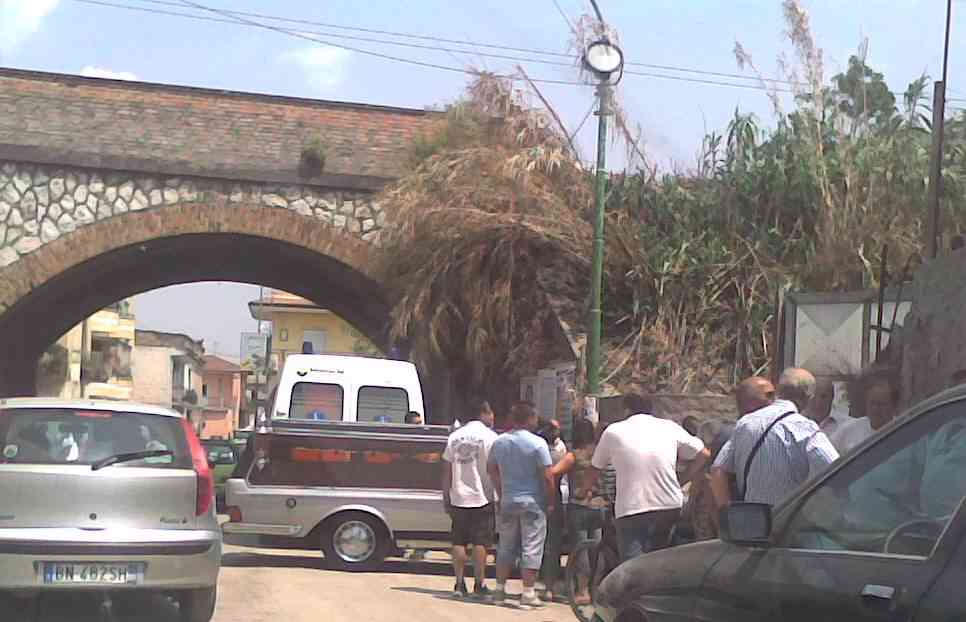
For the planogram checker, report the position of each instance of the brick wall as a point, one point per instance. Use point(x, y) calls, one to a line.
point(152, 375)
point(181, 130)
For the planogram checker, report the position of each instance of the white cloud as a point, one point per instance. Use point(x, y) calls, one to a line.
point(21, 18)
point(324, 67)
point(99, 72)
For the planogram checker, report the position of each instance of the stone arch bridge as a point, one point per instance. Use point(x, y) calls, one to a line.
point(112, 188)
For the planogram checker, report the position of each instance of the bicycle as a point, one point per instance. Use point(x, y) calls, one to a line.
point(589, 562)
point(602, 557)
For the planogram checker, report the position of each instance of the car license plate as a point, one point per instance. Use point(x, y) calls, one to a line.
point(83, 573)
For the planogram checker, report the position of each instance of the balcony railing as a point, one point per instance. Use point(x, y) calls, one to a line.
point(98, 367)
point(123, 309)
point(188, 398)
point(218, 401)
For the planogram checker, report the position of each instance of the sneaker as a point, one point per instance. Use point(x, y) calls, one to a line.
point(459, 590)
point(498, 597)
point(482, 592)
point(530, 602)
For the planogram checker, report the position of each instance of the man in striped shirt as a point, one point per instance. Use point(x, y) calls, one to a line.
point(794, 449)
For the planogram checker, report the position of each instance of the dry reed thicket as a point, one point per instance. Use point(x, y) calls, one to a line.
point(491, 234)
point(495, 200)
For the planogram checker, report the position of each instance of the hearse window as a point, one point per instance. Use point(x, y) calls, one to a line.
point(383, 404)
point(316, 401)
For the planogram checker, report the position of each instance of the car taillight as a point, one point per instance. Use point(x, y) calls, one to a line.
point(262, 445)
point(206, 482)
point(234, 514)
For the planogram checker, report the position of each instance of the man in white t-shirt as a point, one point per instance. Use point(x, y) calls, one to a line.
point(468, 494)
point(644, 451)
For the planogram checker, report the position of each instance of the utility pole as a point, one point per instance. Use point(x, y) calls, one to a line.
point(85, 353)
point(597, 267)
point(934, 200)
point(604, 59)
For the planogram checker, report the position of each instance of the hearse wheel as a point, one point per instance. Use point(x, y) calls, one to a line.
point(355, 541)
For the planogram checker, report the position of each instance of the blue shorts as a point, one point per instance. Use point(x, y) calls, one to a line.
point(523, 531)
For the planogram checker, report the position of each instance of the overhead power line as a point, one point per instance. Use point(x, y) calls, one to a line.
point(246, 22)
point(565, 17)
point(239, 18)
point(565, 59)
point(754, 87)
point(405, 35)
point(236, 18)
point(300, 35)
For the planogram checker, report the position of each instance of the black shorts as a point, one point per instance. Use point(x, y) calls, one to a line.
point(473, 526)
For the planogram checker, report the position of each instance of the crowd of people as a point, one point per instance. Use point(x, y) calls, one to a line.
point(663, 481)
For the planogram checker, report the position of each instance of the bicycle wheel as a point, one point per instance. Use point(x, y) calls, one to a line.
point(587, 565)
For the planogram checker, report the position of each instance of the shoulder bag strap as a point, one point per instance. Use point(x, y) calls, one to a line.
point(754, 452)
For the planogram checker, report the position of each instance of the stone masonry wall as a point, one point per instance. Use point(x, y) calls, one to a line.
point(39, 203)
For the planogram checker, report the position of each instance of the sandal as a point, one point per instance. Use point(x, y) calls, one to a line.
point(582, 601)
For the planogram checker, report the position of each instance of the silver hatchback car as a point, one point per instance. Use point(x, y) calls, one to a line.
point(106, 496)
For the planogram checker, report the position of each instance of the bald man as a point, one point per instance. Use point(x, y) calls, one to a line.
point(793, 447)
point(820, 408)
point(753, 393)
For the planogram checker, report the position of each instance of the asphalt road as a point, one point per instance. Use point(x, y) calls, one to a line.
point(263, 585)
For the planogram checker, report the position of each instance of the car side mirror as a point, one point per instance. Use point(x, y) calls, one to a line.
point(745, 523)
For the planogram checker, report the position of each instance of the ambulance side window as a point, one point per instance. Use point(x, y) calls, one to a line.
point(316, 402)
point(383, 404)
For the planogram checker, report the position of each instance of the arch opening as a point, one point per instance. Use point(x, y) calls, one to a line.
point(52, 307)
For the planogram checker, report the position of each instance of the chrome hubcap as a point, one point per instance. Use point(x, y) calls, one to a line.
point(354, 541)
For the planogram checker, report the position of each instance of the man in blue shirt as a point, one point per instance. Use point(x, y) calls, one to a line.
point(519, 466)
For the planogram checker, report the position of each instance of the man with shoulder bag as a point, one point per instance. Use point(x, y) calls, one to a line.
point(773, 449)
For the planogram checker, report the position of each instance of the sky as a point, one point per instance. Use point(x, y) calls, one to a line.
point(87, 37)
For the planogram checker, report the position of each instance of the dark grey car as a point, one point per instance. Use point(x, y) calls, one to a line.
point(879, 536)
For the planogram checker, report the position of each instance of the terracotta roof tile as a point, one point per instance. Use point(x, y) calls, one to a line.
point(217, 364)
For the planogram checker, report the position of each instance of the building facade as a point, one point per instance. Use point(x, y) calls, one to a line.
point(170, 372)
point(296, 321)
point(223, 394)
point(93, 359)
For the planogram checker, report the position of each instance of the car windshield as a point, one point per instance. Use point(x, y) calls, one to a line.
point(77, 436)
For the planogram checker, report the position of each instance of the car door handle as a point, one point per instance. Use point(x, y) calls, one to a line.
point(878, 592)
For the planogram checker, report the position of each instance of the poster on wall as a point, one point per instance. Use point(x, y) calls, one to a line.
point(254, 349)
point(566, 395)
